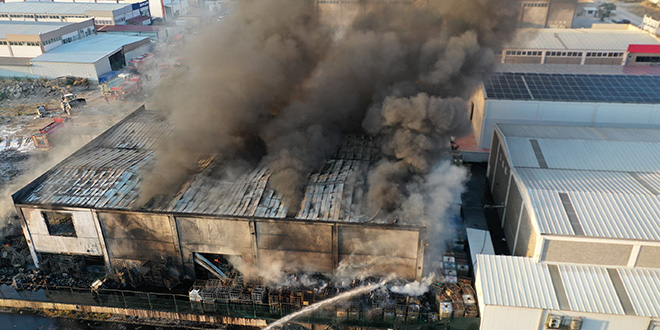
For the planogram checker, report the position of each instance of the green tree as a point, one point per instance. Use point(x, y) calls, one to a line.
point(605, 10)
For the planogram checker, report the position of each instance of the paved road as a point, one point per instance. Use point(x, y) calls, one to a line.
point(622, 13)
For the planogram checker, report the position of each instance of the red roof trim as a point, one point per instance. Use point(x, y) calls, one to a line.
point(645, 49)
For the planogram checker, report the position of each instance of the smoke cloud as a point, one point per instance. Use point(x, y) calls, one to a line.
point(273, 85)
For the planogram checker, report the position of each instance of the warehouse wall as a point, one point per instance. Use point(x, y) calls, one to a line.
point(205, 235)
point(563, 113)
point(561, 13)
point(380, 251)
point(304, 246)
point(139, 236)
point(477, 115)
point(586, 252)
point(86, 241)
point(57, 69)
point(510, 318)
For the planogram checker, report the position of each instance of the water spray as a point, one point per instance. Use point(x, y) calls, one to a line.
point(343, 296)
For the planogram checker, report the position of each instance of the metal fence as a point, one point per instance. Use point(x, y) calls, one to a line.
point(180, 303)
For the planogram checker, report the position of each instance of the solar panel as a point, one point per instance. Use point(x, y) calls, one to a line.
point(574, 87)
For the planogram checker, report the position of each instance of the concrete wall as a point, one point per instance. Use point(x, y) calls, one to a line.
point(86, 241)
point(561, 13)
point(562, 113)
point(139, 236)
point(533, 14)
point(581, 252)
point(228, 237)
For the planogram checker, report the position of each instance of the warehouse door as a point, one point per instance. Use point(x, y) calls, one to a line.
point(117, 60)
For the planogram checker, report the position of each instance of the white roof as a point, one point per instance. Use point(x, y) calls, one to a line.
point(578, 39)
point(62, 8)
point(520, 282)
point(610, 175)
point(515, 281)
point(28, 28)
point(88, 50)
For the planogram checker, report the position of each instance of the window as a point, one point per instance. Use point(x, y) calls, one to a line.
point(648, 59)
point(59, 224)
point(3, 42)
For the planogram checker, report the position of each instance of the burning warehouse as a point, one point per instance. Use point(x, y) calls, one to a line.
point(87, 206)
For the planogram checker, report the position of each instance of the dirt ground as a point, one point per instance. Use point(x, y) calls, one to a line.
point(20, 161)
point(644, 8)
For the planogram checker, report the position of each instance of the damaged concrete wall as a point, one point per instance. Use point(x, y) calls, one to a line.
point(381, 251)
point(138, 236)
point(305, 246)
point(217, 236)
point(86, 239)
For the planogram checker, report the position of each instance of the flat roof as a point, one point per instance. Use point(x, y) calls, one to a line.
point(64, 8)
point(106, 174)
point(130, 28)
point(28, 28)
point(610, 176)
point(520, 282)
point(578, 39)
point(89, 49)
point(573, 87)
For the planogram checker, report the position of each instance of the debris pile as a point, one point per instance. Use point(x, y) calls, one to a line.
point(21, 88)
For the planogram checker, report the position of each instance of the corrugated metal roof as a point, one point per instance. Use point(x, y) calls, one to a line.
point(62, 8)
point(520, 282)
point(106, 174)
point(643, 287)
point(589, 289)
point(28, 28)
point(611, 177)
point(89, 49)
point(515, 281)
point(578, 39)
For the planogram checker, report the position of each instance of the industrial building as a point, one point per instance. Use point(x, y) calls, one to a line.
point(102, 13)
point(31, 39)
point(517, 293)
point(581, 195)
point(531, 14)
point(154, 32)
point(88, 58)
point(87, 206)
point(165, 9)
point(547, 13)
point(603, 44)
point(629, 97)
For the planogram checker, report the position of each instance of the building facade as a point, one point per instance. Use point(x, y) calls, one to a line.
point(95, 214)
point(102, 13)
point(581, 195)
point(30, 39)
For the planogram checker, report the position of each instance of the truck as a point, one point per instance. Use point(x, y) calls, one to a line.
point(49, 135)
point(142, 63)
point(123, 86)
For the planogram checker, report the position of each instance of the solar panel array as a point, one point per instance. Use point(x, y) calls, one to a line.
point(574, 87)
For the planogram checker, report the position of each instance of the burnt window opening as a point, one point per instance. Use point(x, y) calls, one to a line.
point(59, 224)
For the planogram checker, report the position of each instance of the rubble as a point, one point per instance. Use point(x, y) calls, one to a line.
point(21, 88)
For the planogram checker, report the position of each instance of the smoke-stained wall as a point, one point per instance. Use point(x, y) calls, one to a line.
point(139, 237)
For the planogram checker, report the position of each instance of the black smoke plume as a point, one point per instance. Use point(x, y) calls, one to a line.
point(272, 83)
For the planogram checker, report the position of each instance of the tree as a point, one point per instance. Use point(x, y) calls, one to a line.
point(605, 10)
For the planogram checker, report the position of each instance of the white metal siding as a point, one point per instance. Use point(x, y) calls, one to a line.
point(589, 289)
point(643, 287)
point(515, 281)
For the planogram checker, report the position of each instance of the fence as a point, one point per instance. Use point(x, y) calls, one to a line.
point(180, 303)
